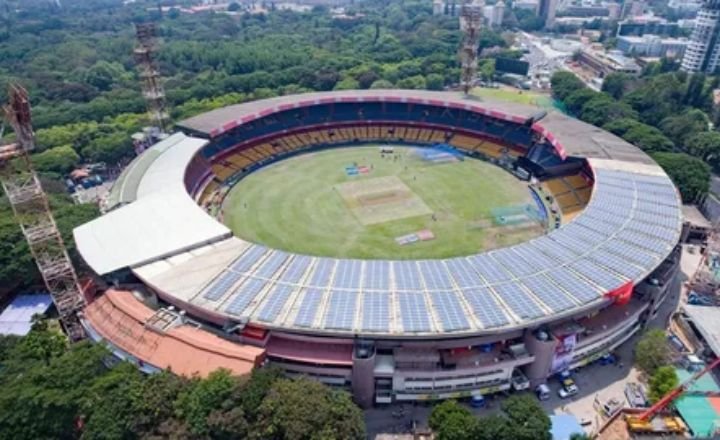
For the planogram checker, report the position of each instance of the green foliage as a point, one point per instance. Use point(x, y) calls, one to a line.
point(691, 175)
point(522, 418)
point(44, 397)
point(59, 160)
point(664, 380)
point(304, 409)
point(382, 84)
point(681, 127)
point(616, 84)
point(603, 108)
point(201, 397)
point(565, 83)
point(652, 351)
point(705, 146)
point(577, 99)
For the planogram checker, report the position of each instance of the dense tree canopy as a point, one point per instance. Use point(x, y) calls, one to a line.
point(664, 380)
point(44, 397)
point(522, 418)
point(691, 175)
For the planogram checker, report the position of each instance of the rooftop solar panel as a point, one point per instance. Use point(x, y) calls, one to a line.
point(221, 285)
point(549, 293)
point(485, 307)
point(488, 268)
point(435, 275)
point(244, 295)
point(463, 273)
point(377, 275)
point(575, 286)
point(347, 274)
point(248, 258)
point(606, 280)
point(322, 272)
point(509, 261)
point(296, 269)
point(617, 264)
point(407, 275)
point(341, 310)
point(414, 312)
point(519, 301)
point(309, 305)
point(553, 249)
point(639, 256)
point(449, 310)
point(275, 301)
point(271, 264)
point(376, 311)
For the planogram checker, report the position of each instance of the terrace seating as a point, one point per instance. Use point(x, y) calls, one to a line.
point(571, 194)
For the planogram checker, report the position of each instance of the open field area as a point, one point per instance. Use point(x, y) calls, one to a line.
point(309, 204)
point(514, 95)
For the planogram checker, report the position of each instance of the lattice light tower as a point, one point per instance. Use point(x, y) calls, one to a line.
point(32, 211)
point(470, 23)
point(152, 87)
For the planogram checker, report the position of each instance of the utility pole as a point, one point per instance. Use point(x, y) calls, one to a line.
point(32, 211)
point(470, 24)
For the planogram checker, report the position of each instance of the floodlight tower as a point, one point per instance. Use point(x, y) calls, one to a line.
point(32, 211)
point(152, 88)
point(470, 23)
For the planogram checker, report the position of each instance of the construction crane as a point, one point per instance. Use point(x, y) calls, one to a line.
point(643, 422)
point(31, 208)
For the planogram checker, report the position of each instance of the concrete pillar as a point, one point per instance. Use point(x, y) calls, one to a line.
point(363, 375)
point(544, 352)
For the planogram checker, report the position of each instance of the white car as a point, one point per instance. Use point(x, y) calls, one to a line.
point(568, 389)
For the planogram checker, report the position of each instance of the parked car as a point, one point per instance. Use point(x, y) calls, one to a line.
point(477, 401)
point(542, 391)
point(568, 389)
point(519, 381)
point(607, 359)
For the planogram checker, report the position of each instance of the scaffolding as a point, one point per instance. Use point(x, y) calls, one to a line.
point(32, 211)
point(152, 87)
point(470, 22)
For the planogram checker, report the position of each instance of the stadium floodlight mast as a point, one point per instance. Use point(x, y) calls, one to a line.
point(32, 211)
point(470, 23)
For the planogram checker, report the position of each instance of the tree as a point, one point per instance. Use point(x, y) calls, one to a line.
point(603, 108)
point(197, 401)
point(382, 84)
point(616, 84)
point(664, 380)
point(652, 351)
point(648, 138)
point(451, 421)
point(59, 160)
point(493, 427)
point(527, 419)
point(413, 82)
point(233, 7)
point(564, 83)
point(695, 94)
point(299, 409)
point(691, 175)
point(681, 127)
point(705, 146)
point(577, 99)
point(434, 81)
point(348, 83)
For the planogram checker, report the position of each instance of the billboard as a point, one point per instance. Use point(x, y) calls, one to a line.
point(509, 65)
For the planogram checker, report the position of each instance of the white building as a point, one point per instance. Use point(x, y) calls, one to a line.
point(546, 10)
point(652, 46)
point(703, 52)
point(494, 14)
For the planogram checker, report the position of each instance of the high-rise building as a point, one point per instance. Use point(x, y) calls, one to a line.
point(546, 11)
point(703, 52)
point(494, 14)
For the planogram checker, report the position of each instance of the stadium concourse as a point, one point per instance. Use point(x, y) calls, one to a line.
point(387, 330)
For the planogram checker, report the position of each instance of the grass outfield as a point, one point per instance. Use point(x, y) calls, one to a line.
point(307, 204)
point(514, 95)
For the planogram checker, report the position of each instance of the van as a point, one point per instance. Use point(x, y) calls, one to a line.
point(542, 391)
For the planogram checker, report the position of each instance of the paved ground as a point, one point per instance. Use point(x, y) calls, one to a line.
point(594, 381)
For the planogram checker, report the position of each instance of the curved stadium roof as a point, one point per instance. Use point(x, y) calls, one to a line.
point(630, 225)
